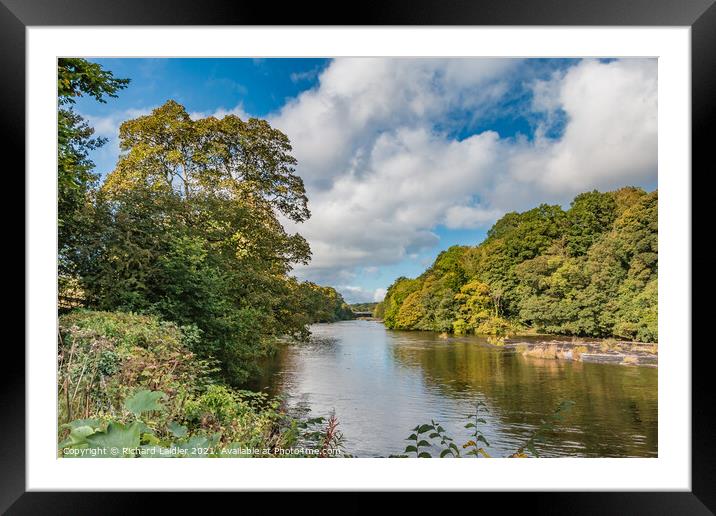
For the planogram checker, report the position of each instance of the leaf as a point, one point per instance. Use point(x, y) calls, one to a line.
point(149, 439)
point(425, 428)
point(469, 443)
point(176, 429)
point(144, 401)
point(409, 449)
point(424, 455)
point(423, 443)
point(116, 441)
point(445, 452)
point(93, 423)
point(434, 435)
point(470, 425)
point(412, 437)
point(78, 437)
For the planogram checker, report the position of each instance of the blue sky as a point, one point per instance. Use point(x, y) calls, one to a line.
point(403, 158)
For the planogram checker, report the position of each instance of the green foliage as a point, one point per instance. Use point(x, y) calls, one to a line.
point(590, 215)
point(419, 442)
point(144, 401)
point(187, 228)
point(105, 357)
point(379, 310)
point(589, 271)
point(75, 178)
point(477, 443)
point(363, 307)
point(474, 423)
point(322, 304)
point(159, 400)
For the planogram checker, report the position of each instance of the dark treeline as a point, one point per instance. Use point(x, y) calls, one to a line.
point(363, 307)
point(588, 271)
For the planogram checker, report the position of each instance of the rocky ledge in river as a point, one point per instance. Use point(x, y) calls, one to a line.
point(605, 351)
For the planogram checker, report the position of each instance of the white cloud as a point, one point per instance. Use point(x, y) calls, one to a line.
point(355, 294)
point(221, 112)
point(379, 294)
point(381, 176)
point(382, 171)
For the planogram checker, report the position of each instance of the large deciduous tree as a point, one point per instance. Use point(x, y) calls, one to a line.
point(187, 226)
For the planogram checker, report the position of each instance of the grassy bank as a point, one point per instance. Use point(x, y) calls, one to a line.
point(130, 386)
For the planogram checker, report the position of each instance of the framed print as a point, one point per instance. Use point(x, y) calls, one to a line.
point(427, 231)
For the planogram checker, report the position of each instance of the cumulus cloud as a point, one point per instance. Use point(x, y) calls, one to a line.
point(356, 294)
point(376, 148)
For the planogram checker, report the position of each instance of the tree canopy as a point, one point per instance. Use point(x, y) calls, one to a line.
point(187, 227)
point(75, 177)
point(589, 271)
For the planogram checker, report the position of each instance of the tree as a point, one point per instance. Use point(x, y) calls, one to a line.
point(590, 271)
point(75, 78)
point(590, 215)
point(186, 227)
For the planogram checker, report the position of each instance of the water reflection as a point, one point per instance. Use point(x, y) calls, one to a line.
point(382, 383)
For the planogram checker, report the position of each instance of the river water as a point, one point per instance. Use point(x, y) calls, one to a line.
point(382, 383)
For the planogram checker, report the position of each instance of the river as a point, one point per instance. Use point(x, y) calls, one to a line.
point(381, 383)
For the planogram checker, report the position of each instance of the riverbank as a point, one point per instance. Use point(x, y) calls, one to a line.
point(605, 351)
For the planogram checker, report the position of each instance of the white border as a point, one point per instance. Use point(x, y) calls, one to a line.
point(671, 470)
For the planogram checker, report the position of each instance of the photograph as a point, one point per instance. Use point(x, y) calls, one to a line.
point(358, 257)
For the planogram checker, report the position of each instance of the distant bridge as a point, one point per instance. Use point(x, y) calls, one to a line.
point(362, 314)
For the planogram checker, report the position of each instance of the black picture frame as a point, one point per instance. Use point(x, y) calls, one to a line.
point(700, 15)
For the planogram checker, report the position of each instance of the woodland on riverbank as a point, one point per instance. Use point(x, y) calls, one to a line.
point(589, 271)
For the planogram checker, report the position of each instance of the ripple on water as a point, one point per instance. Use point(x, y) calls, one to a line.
point(383, 383)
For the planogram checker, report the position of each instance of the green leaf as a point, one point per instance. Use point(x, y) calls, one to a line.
point(409, 449)
point(445, 452)
point(116, 441)
point(176, 429)
point(93, 423)
point(423, 443)
point(470, 425)
point(412, 437)
point(424, 455)
point(144, 401)
point(425, 428)
point(434, 435)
